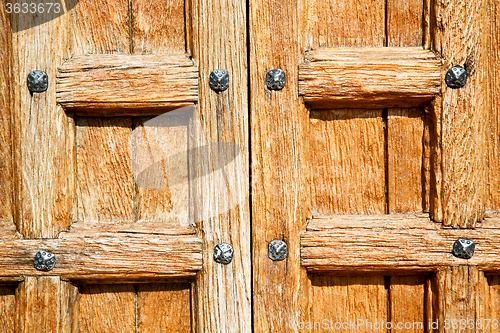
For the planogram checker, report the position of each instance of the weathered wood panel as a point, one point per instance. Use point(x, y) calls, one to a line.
point(347, 162)
point(104, 169)
point(126, 84)
point(8, 309)
point(343, 301)
point(109, 254)
point(220, 41)
point(407, 303)
point(164, 308)
point(493, 105)
point(43, 134)
point(45, 304)
point(158, 27)
point(369, 77)
point(394, 243)
point(5, 120)
point(106, 308)
point(462, 111)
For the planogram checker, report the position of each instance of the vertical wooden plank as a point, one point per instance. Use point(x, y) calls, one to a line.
point(280, 193)
point(164, 308)
point(404, 126)
point(107, 308)
point(158, 27)
point(44, 304)
point(8, 310)
point(493, 104)
point(5, 119)
point(347, 162)
point(492, 301)
point(407, 302)
point(223, 292)
point(105, 188)
point(349, 304)
point(405, 129)
point(459, 40)
point(160, 143)
point(42, 132)
point(105, 180)
point(459, 295)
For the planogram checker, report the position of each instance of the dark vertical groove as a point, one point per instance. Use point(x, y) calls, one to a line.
point(387, 284)
point(385, 119)
point(386, 24)
point(130, 27)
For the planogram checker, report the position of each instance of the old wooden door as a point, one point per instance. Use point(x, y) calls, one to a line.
point(369, 167)
point(130, 169)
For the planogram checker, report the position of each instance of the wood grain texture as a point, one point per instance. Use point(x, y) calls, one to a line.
point(280, 192)
point(7, 309)
point(126, 84)
point(394, 243)
point(106, 308)
point(369, 77)
point(347, 162)
point(104, 170)
point(158, 27)
point(492, 299)
point(6, 208)
point(44, 185)
point(342, 300)
point(222, 292)
point(45, 304)
point(109, 254)
point(462, 111)
point(407, 302)
point(405, 129)
point(493, 104)
point(164, 308)
point(342, 23)
point(460, 294)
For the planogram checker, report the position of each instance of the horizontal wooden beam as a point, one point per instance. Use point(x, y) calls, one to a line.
point(369, 77)
point(110, 85)
point(401, 244)
point(110, 252)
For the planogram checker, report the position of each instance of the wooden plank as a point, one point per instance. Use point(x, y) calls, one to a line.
point(220, 41)
point(492, 301)
point(44, 304)
point(348, 304)
point(107, 308)
point(369, 77)
point(343, 23)
point(110, 255)
point(164, 308)
point(280, 192)
point(43, 134)
point(158, 27)
point(6, 216)
point(459, 296)
point(493, 96)
point(407, 303)
point(126, 84)
point(347, 169)
point(104, 169)
point(7, 309)
point(463, 111)
point(405, 175)
point(392, 244)
point(405, 130)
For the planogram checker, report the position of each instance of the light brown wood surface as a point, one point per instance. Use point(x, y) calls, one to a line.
point(5, 121)
point(126, 84)
point(7, 309)
point(462, 112)
point(221, 198)
point(43, 134)
point(369, 77)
